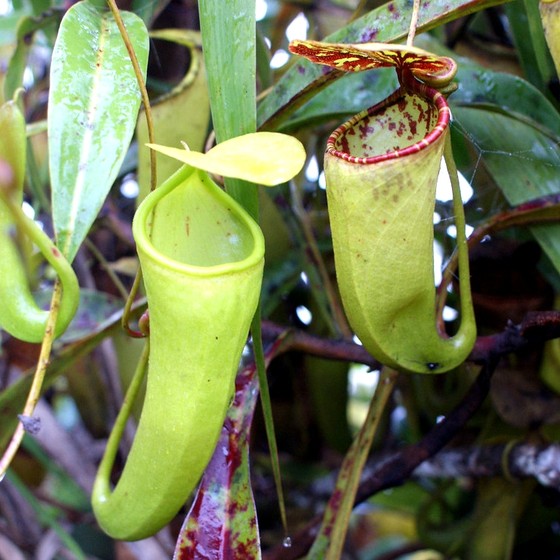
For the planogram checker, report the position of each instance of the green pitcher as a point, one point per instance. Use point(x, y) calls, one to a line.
point(202, 260)
point(381, 170)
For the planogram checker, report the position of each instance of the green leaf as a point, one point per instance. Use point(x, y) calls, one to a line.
point(25, 31)
point(511, 93)
point(229, 45)
point(93, 105)
point(523, 160)
point(478, 85)
point(525, 22)
point(344, 98)
point(330, 540)
point(388, 23)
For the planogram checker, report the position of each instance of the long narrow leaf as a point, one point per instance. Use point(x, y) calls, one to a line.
point(93, 106)
point(330, 540)
point(229, 45)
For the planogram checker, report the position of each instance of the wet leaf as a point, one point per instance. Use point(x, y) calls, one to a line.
point(388, 23)
point(93, 106)
point(222, 522)
point(480, 86)
point(521, 158)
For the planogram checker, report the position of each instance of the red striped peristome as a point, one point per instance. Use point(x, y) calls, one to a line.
point(410, 87)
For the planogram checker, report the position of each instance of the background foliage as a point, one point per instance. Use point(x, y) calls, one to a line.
point(500, 408)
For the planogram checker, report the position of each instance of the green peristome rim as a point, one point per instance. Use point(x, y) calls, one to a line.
point(152, 232)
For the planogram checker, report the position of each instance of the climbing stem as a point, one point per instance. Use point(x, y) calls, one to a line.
point(462, 246)
point(141, 85)
point(151, 136)
point(107, 267)
point(106, 465)
point(37, 384)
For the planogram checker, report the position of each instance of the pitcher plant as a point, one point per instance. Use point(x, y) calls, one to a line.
point(202, 259)
point(381, 170)
point(19, 313)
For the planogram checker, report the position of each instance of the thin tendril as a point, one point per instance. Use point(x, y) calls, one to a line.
point(106, 465)
point(260, 363)
point(153, 166)
point(462, 245)
point(413, 23)
point(38, 378)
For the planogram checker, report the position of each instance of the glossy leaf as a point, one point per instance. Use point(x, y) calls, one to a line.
point(93, 106)
point(266, 158)
point(479, 86)
point(224, 499)
point(387, 24)
point(229, 45)
point(523, 161)
point(342, 99)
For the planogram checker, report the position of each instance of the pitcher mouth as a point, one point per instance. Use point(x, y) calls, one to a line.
point(350, 140)
point(254, 254)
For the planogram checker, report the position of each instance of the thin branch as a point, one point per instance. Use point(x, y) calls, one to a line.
point(299, 340)
point(537, 327)
point(397, 468)
point(27, 422)
point(524, 460)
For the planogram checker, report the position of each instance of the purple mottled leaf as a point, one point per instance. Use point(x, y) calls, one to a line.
point(222, 522)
